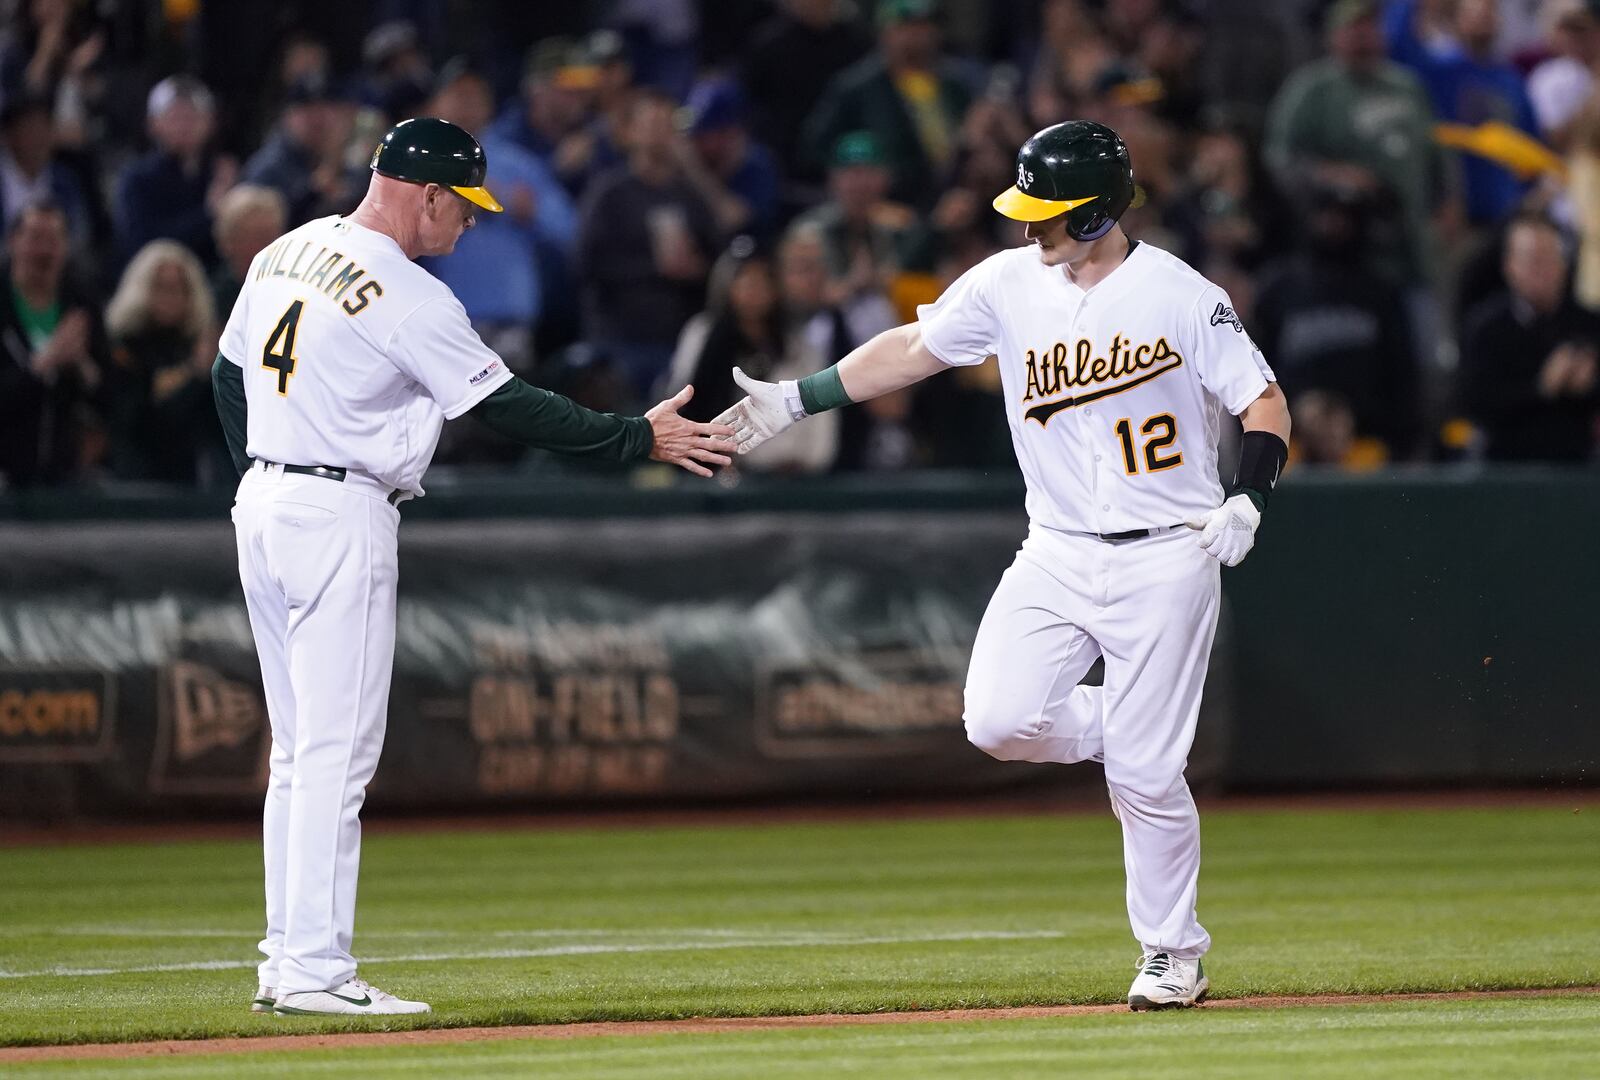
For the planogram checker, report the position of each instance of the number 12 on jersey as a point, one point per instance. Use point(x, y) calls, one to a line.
point(1153, 461)
point(278, 353)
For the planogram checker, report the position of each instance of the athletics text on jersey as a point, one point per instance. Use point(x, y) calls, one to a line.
point(1113, 395)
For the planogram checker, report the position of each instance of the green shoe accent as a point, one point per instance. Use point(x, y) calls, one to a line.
point(284, 1010)
point(366, 999)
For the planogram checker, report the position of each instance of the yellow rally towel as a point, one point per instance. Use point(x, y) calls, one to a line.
point(934, 129)
point(1497, 141)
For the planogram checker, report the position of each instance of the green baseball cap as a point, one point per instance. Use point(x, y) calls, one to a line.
point(1345, 12)
point(857, 148)
point(427, 150)
point(563, 62)
point(899, 11)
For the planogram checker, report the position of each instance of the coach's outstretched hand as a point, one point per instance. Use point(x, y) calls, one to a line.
point(686, 443)
point(761, 415)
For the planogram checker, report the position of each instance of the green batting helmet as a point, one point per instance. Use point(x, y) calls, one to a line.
point(1078, 168)
point(427, 150)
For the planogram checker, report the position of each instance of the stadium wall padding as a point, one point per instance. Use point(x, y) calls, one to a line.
point(1375, 636)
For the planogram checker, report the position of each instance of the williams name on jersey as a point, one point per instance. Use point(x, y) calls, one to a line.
point(330, 272)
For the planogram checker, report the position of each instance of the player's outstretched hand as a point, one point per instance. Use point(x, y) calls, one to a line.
point(1229, 532)
point(760, 416)
point(686, 443)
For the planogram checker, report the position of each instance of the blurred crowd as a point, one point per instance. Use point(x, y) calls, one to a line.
point(1401, 196)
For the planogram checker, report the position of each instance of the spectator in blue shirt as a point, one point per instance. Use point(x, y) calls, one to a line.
point(500, 267)
point(1469, 85)
point(739, 177)
point(566, 89)
point(395, 77)
point(172, 191)
point(554, 104)
point(304, 158)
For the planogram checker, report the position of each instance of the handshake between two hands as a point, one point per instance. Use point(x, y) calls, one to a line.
point(740, 429)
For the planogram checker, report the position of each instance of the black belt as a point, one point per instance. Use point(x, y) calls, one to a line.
point(327, 472)
point(1135, 534)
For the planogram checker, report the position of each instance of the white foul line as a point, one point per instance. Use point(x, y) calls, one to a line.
point(793, 941)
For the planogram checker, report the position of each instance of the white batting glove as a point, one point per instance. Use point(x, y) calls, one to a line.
point(770, 409)
point(1228, 532)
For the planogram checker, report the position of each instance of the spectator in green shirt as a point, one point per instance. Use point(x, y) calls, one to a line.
point(867, 239)
point(1355, 120)
point(907, 94)
point(52, 353)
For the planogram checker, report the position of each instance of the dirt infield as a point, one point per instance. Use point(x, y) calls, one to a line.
point(696, 1026)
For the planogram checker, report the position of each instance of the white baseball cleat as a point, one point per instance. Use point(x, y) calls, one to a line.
point(1168, 982)
point(266, 997)
point(354, 998)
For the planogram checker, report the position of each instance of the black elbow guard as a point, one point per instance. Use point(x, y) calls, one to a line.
point(1262, 456)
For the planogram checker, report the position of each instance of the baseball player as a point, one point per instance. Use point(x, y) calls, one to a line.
point(1116, 360)
point(338, 366)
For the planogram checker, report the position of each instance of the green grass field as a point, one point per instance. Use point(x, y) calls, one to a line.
point(138, 942)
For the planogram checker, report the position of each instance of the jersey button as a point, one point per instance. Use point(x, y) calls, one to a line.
point(1107, 506)
point(1097, 457)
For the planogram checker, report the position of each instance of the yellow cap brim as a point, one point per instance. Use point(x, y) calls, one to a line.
point(578, 77)
point(478, 196)
point(1018, 205)
point(1138, 92)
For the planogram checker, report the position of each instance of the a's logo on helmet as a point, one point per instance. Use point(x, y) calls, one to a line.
point(373, 164)
point(1024, 177)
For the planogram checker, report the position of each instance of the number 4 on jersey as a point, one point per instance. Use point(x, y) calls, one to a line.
point(279, 351)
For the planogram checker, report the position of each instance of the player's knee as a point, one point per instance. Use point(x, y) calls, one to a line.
point(1150, 791)
point(280, 762)
point(994, 730)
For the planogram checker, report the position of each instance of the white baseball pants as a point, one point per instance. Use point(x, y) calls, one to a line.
point(319, 563)
point(1149, 606)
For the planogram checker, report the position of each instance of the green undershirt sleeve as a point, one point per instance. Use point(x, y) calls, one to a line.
point(539, 418)
point(823, 391)
point(227, 386)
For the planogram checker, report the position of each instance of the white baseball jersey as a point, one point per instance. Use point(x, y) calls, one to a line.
point(353, 355)
point(1113, 394)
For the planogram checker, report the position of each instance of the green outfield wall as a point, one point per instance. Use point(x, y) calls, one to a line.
point(610, 639)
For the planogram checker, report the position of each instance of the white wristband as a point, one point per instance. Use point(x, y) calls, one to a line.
point(791, 399)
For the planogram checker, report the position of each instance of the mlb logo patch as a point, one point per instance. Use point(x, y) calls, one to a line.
point(484, 374)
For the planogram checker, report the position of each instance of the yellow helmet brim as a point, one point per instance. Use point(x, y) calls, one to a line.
point(1018, 205)
point(479, 196)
